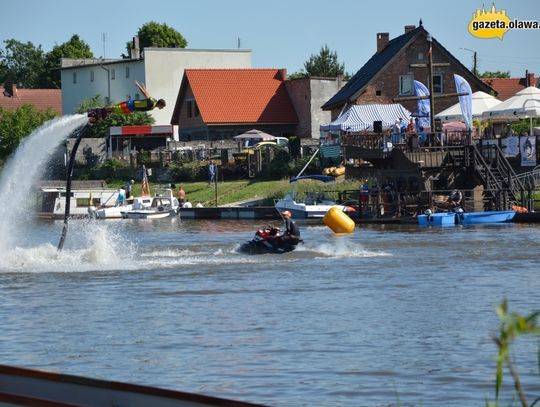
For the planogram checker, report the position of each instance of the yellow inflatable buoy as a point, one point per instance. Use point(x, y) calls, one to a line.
point(338, 221)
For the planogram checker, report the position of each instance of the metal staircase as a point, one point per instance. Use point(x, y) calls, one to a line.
point(502, 186)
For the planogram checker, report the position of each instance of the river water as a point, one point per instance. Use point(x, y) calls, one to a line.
point(386, 316)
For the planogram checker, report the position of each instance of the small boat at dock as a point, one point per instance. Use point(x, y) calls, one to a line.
point(314, 205)
point(443, 219)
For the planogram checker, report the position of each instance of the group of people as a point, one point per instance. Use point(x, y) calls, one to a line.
point(402, 131)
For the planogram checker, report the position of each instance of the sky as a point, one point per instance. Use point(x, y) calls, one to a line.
point(280, 34)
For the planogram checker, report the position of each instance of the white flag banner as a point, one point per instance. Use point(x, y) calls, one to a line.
point(465, 101)
point(423, 107)
point(511, 146)
point(527, 148)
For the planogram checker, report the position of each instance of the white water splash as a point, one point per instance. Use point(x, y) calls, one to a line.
point(340, 247)
point(93, 246)
point(23, 169)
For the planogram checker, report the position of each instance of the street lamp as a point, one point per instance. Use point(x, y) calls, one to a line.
point(474, 59)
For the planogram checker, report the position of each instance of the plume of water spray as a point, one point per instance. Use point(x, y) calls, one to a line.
point(24, 168)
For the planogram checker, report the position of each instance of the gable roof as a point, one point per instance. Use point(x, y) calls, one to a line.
point(40, 99)
point(508, 87)
point(238, 96)
point(380, 59)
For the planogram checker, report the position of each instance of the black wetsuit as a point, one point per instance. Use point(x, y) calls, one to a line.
point(292, 232)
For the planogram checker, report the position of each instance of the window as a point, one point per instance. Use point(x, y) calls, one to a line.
point(438, 83)
point(378, 93)
point(189, 107)
point(113, 74)
point(74, 77)
point(91, 76)
point(406, 86)
point(196, 108)
point(127, 71)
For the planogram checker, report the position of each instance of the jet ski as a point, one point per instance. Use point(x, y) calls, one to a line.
point(268, 241)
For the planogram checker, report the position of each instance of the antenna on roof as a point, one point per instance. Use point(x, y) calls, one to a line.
point(238, 42)
point(103, 39)
point(420, 22)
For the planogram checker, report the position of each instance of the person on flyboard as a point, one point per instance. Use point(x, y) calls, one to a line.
point(128, 106)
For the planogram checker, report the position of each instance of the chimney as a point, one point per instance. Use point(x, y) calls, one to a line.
point(135, 50)
point(382, 41)
point(530, 79)
point(283, 74)
point(9, 89)
point(409, 28)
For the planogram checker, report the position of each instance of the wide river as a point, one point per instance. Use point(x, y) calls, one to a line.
point(387, 316)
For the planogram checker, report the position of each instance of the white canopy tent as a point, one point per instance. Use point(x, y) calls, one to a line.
point(361, 117)
point(481, 102)
point(523, 105)
point(256, 135)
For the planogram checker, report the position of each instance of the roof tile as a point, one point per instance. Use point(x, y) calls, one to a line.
point(41, 99)
point(241, 96)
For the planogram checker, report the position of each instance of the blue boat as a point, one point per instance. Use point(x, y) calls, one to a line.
point(437, 219)
point(474, 218)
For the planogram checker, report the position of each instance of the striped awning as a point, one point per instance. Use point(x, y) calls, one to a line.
point(361, 117)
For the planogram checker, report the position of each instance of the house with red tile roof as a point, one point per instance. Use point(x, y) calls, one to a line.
point(508, 87)
point(41, 99)
point(218, 104)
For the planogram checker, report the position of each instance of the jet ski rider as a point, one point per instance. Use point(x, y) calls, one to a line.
point(291, 234)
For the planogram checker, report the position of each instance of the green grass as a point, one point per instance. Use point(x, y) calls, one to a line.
point(235, 191)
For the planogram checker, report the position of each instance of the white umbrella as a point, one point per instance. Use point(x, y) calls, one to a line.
point(255, 134)
point(481, 102)
point(523, 105)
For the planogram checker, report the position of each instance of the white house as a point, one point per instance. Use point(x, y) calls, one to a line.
point(159, 69)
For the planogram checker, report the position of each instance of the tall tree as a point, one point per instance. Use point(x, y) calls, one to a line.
point(325, 64)
point(22, 64)
point(74, 48)
point(16, 125)
point(158, 35)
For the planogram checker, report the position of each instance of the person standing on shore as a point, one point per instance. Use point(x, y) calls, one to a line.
point(181, 195)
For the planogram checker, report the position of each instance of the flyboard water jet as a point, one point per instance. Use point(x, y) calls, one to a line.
point(95, 115)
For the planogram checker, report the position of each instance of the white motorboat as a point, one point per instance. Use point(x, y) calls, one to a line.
point(111, 212)
point(159, 206)
point(314, 205)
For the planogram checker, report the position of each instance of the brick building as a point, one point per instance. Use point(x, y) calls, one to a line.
point(218, 104)
point(389, 73)
point(508, 87)
point(41, 99)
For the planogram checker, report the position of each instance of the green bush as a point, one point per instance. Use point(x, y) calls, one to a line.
point(187, 172)
point(113, 164)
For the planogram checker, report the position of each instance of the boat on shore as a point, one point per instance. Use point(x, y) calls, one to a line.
point(314, 205)
point(29, 387)
point(157, 207)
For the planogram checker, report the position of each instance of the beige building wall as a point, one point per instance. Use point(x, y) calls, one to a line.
point(161, 70)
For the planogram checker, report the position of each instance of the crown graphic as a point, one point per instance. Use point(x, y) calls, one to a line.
point(489, 23)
